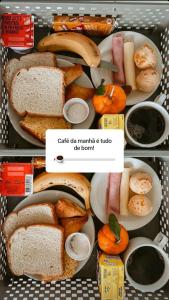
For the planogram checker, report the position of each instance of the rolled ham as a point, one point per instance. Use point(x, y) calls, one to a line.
point(118, 59)
point(113, 193)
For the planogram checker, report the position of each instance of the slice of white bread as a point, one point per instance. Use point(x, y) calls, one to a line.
point(27, 61)
point(37, 126)
point(36, 250)
point(33, 214)
point(38, 91)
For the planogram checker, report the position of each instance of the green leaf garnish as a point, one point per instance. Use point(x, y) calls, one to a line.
point(114, 226)
point(101, 89)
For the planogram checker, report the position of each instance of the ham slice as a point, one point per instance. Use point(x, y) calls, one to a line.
point(113, 193)
point(118, 59)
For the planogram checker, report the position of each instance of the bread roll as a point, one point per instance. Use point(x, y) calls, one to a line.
point(148, 80)
point(140, 205)
point(145, 57)
point(140, 183)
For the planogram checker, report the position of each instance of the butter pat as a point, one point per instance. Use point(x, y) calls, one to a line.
point(112, 121)
point(110, 277)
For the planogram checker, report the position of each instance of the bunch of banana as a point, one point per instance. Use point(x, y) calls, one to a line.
point(73, 42)
point(75, 181)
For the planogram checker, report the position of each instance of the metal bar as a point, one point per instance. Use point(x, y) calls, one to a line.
point(93, 2)
point(41, 152)
point(89, 3)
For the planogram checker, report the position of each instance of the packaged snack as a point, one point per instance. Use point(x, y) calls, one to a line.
point(95, 26)
point(114, 121)
point(18, 32)
point(16, 179)
point(110, 277)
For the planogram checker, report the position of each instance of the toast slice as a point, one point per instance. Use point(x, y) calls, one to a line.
point(38, 91)
point(67, 209)
point(33, 214)
point(36, 250)
point(76, 91)
point(72, 73)
point(69, 271)
point(37, 126)
point(72, 225)
point(27, 61)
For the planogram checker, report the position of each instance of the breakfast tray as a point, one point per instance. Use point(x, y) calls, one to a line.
point(84, 284)
point(148, 17)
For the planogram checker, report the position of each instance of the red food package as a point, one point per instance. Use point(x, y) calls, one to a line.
point(17, 31)
point(16, 179)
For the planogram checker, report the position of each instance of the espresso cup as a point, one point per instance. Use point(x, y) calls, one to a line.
point(136, 243)
point(157, 105)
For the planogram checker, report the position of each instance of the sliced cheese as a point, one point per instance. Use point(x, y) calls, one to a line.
point(124, 192)
point(129, 67)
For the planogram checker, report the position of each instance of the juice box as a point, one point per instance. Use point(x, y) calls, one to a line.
point(110, 277)
point(18, 32)
point(114, 121)
point(16, 179)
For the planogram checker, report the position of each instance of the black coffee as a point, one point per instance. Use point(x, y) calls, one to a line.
point(146, 125)
point(145, 265)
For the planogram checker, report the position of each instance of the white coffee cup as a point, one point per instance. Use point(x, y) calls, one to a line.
point(157, 104)
point(159, 242)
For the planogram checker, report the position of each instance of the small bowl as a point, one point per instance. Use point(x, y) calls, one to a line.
point(81, 243)
point(73, 102)
point(21, 50)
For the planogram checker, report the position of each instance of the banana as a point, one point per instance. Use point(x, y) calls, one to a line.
point(73, 42)
point(75, 181)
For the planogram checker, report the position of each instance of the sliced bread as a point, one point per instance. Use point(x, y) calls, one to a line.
point(27, 61)
point(38, 91)
point(37, 126)
point(67, 209)
point(33, 214)
point(36, 250)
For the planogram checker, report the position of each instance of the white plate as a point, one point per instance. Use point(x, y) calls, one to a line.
point(131, 222)
point(106, 54)
point(52, 196)
point(15, 119)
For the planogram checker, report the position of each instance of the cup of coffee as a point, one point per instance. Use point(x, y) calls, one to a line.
point(146, 263)
point(147, 124)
